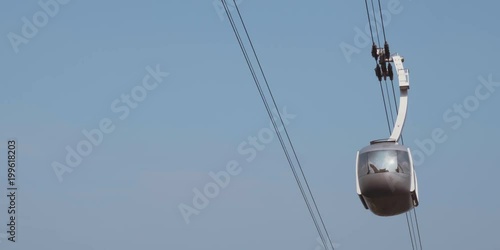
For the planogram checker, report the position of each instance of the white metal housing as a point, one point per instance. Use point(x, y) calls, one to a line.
point(404, 85)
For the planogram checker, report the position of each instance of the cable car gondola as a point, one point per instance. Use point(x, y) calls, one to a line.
point(386, 181)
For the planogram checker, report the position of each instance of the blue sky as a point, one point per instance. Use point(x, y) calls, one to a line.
point(125, 194)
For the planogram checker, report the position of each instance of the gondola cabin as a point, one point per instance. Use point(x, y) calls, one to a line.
point(385, 179)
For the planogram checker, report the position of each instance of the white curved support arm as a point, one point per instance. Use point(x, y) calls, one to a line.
point(404, 85)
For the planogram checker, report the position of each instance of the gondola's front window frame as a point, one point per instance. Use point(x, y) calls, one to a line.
point(382, 161)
